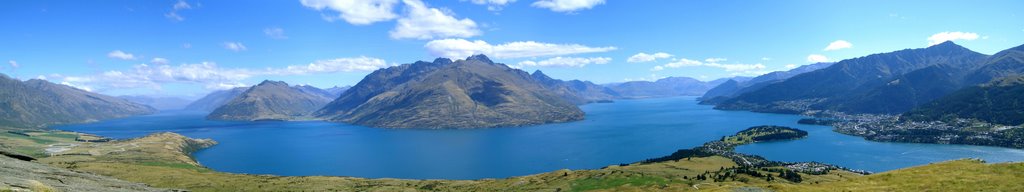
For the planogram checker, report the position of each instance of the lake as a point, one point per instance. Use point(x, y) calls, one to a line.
point(622, 132)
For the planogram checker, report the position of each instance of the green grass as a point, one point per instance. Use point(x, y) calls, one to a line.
point(68, 136)
point(175, 165)
point(608, 183)
point(33, 139)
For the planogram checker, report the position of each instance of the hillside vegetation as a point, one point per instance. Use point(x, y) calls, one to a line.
point(1000, 102)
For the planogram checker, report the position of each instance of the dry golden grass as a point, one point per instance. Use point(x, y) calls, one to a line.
point(958, 175)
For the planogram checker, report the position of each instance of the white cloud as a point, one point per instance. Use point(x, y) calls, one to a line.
point(235, 46)
point(275, 32)
point(186, 45)
point(492, 5)
point(791, 66)
point(461, 48)
point(567, 5)
point(710, 62)
point(148, 76)
point(652, 77)
point(736, 67)
point(565, 62)
point(174, 16)
point(13, 63)
point(766, 58)
point(159, 61)
point(837, 45)
point(715, 60)
point(356, 12)
point(644, 57)
point(951, 36)
point(76, 86)
point(683, 62)
point(180, 5)
point(750, 73)
point(334, 65)
point(209, 74)
point(491, 2)
point(817, 58)
point(422, 22)
point(118, 54)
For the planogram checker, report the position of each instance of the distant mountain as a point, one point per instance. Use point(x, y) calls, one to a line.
point(878, 83)
point(215, 99)
point(39, 103)
point(272, 100)
point(723, 91)
point(470, 93)
point(734, 88)
point(665, 87)
point(315, 91)
point(1001, 102)
point(159, 103)
point(576, 91)
point(336, 91)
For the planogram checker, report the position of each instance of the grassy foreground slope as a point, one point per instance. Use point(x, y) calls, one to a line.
point(957, 175)
point(162, 160)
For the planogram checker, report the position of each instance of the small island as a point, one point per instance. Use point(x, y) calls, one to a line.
point(763, 134)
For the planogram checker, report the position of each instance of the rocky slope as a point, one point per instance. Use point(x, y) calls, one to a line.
point(215, 99)
point(470, 93)
point(272, 100)
point(18, 175)
point(39, 103)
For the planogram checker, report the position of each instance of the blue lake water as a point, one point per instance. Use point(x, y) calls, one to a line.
point(621, 132)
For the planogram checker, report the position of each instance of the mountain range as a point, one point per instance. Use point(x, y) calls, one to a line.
point(470, 93)
point(665, 87)
point(736, 86)
point(215, 99)
point(576, 91)
point(887, 83)
point(272, 100)
point(336, 91)
point(158, 103)
point(39, 103)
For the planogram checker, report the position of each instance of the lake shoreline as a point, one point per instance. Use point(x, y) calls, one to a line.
point(633, 141)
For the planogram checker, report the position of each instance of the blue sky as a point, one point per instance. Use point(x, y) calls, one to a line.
point(188, 48)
